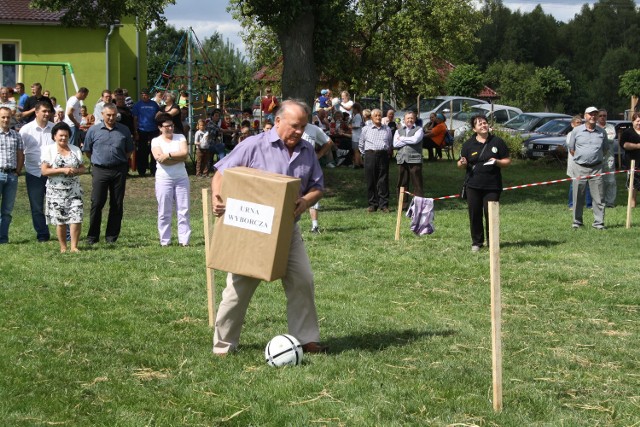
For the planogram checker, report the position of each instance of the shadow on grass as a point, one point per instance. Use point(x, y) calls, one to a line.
point(378, 341)
point(521, 243)
point(374, 341)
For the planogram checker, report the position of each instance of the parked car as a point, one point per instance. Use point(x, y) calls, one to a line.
point(440, 104)
point(529, 122)
point(369, 103)
point(538, 146)
point(495, 113)
point(555, 127)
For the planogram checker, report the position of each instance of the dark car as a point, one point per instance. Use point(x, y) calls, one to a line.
point(551, 133)
point(529, 122)
point(554, 146)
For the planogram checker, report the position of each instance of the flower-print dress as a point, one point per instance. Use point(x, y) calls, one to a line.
point(64, 193)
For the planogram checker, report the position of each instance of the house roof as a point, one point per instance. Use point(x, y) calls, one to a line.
point(19, 12)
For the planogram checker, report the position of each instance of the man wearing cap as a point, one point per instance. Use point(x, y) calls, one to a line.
point(588, 145)
point(145, 129)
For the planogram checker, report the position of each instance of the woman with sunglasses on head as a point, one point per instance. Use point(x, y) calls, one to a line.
point(172, 181)
point(483, 156)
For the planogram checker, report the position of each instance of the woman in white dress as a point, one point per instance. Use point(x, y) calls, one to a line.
point(62, 163)
point(172, 181)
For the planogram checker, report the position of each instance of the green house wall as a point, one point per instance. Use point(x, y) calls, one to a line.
point(84, 49)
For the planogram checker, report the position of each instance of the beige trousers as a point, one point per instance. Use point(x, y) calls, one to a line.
point(298, 286)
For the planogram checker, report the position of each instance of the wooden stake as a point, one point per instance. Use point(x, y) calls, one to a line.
point(211, 284)
point(399, 217)
point(632, 171)
point(496, 307)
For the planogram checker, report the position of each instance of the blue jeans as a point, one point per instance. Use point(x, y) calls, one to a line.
point(8, 191)
point(36, 189)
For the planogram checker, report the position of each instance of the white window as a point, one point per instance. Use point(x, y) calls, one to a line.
point(8, 73)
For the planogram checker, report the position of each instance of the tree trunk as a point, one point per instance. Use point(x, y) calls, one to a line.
point(299, 76)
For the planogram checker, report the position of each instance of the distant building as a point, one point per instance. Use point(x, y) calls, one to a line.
point(34, 35)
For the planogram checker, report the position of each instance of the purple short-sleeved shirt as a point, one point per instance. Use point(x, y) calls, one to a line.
point(267, 152)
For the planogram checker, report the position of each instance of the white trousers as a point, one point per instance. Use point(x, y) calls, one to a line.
point(169, 192)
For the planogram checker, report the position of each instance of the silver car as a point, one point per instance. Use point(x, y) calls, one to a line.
point(440, 104)
point(495, 113)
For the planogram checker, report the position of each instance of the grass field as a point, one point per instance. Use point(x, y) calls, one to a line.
point(117, 335)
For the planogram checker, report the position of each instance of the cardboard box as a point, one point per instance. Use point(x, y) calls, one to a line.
point(254, 235)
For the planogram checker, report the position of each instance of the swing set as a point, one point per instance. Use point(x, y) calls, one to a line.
point(190, 71)
point(63, 68)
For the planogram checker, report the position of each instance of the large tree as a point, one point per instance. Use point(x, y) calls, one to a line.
point(366, 45)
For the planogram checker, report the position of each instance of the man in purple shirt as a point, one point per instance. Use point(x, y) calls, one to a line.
point(281, 150)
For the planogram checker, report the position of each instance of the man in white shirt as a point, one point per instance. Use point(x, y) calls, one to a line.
point(72, 115)
point(35, 135)
point(105, 98)
point(408, 141)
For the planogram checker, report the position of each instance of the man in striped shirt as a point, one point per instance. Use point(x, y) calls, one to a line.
point(11, 162)
point(376, 146)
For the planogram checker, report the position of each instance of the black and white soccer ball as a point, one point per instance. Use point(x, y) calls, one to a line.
point(283, 350)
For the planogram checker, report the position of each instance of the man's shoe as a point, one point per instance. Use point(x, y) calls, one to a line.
point(315, 229)
point(91, 242)
point(371, 209)
point(314, 347)
point(385, 210)
point(599, 227)
point(475, 248)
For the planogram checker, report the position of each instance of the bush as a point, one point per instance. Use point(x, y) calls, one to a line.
point(514, 141)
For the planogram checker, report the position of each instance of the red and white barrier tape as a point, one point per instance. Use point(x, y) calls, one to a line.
point(535, 184)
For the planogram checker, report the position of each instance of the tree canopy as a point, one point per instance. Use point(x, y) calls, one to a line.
point(94, 13)
point(402, 48)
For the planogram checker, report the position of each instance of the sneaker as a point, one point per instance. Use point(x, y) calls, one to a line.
point(315, 229)
point(576, 225)
point(331, 165)
point(599, 227)
point(475, 248)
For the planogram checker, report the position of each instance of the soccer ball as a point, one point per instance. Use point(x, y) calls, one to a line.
point(283, 350)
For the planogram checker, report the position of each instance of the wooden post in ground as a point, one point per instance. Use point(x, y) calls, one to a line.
point(211, 284)
point(496, 307)
point(632, 171)
point(399, 217)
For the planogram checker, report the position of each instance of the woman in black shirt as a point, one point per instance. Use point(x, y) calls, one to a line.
point(483, 156)
point(630, 141)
